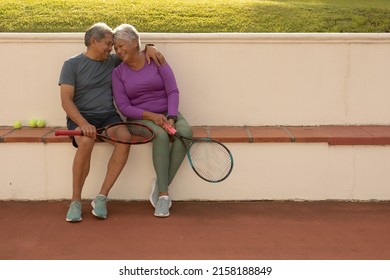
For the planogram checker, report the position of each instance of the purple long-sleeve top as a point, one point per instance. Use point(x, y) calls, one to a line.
point(152, 88)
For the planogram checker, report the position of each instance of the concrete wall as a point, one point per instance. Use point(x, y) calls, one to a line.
point(269, 171)
point(225, 79)
point(232, 79)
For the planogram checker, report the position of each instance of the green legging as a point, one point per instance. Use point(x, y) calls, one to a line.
point(167, 157)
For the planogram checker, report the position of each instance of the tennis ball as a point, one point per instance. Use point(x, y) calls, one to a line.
point(32, 123)
point(17, 124)
point(41, 123)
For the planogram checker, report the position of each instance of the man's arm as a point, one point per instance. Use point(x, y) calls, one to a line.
point(151, 52)
point(70, 108)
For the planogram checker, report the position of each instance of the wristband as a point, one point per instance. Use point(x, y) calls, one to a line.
point(174, 118)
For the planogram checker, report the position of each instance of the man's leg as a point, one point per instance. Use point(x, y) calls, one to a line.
point(80, 169)
point(81, 165)
point(114, 168)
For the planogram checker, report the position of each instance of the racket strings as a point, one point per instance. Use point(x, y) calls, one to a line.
point(129, 133)
point(211, 160)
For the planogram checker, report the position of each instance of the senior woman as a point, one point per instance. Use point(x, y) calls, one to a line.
point(148, 94)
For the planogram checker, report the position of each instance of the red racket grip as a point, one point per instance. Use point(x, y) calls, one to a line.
point(60, 132)
point(169, 129)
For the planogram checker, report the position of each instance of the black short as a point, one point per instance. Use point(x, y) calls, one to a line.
point(98, 121)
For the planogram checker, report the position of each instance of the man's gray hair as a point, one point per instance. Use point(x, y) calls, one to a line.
point(97, 31)
point(127, 32)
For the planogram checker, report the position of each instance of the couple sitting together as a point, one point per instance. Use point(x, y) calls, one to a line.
point(144, 89)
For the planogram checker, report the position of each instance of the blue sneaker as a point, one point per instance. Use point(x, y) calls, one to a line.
point(154, 194)
point(99, 206)
point(74, 212)
point(162, 207)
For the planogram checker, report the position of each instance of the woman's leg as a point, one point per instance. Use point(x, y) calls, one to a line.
point(160, 154)
point(178, 151)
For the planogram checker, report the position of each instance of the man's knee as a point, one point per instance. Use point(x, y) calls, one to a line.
point(123, 148)
point(84, 142)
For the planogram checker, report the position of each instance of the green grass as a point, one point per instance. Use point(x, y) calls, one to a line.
point(197, 15)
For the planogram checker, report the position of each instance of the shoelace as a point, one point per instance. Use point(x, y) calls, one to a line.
point(76, 205)
point(164, 202)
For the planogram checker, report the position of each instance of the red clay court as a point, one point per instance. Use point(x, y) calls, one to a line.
point(279, 230)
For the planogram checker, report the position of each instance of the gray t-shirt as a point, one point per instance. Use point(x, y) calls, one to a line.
point(92, 82)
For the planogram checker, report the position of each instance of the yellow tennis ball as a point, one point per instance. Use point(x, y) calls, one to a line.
point(41, 123)
point(17, 124)
point(32, 123)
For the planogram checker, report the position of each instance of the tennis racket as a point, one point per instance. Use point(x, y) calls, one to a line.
point(211, 160)
point(124, 133)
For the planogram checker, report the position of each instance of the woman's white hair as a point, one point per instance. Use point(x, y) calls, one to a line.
point(127, 32)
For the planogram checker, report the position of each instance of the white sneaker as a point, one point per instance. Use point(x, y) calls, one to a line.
point(162, 207)
point(154, 194)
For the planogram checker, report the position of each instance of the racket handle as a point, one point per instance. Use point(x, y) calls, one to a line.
point(60, 132)
point(169, 129)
